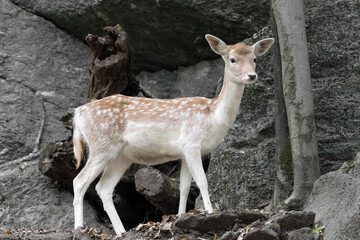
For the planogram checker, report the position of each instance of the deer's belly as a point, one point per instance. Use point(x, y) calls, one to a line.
point(152, 146)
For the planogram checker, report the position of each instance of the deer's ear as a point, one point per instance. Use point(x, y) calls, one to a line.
point(216, 44)
point(262, 46)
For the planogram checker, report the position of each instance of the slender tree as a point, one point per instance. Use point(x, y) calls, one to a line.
point(296, 82)
point(284, 172)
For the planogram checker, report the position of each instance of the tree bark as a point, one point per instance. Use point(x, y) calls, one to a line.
point(284, 172)
point(297, 89)
point(111, 70)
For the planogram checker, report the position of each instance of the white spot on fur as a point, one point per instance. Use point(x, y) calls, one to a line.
point(202, 107)
point(116, 110)
point(98, 113)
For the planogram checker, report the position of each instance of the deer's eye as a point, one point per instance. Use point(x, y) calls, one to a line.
point(232, 60)
point(255, 60)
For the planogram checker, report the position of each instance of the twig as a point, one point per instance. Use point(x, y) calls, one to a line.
point(37, 143)
point(36, 152)
point(145, 92)
point(23, 159)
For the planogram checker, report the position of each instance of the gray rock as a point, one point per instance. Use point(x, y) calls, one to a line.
point(202, 223)
point(37, 61)
point(332, 30)
point(30, 201)
point(200, 79)
point(164, 34)
point(273, 226)
point(214, 222)
point(78, 235)
point(294, 220)
point(262, 234)
point(301, 234)
point(336, 201)
point(229, 235)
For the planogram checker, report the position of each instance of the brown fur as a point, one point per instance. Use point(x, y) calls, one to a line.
point(241, 49)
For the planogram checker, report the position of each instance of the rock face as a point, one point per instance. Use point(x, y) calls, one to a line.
point(335, 69)
point(336, 201)
point(247, 225)
point(164, 34)
point(40, 65)
point(29, 200)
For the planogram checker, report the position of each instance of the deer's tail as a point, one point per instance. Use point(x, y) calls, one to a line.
point(78, 140)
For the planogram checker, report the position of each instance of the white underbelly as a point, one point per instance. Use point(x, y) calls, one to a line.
point(152, 145)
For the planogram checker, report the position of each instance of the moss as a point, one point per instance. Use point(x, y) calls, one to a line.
point(285, 159)
point(349, 166)
point(89, 92)
point(48, 150)
point(120, 28)
point(2, 198)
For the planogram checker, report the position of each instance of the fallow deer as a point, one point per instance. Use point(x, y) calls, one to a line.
point(121, 130)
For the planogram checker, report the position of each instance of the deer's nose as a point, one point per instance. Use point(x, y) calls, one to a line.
point(252, 76)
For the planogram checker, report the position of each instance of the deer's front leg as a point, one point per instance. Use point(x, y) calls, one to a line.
point(194, 162)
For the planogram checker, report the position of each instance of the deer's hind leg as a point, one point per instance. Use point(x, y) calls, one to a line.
point(99, 158)
point(105, 188)
point(94, 166)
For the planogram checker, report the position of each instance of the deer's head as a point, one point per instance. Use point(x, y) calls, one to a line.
point(240, 59)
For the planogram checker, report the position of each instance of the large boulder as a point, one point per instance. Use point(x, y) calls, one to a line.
point(335, 199)
point(164, 34)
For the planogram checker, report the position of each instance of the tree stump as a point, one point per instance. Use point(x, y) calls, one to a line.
point(111, 71)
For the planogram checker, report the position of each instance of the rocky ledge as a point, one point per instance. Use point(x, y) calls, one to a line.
point(244, 225)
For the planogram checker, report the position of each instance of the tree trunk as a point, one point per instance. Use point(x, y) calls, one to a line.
point(290, 21)
point(284, 172)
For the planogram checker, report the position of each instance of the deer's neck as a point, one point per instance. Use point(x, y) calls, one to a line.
point(228, 102)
